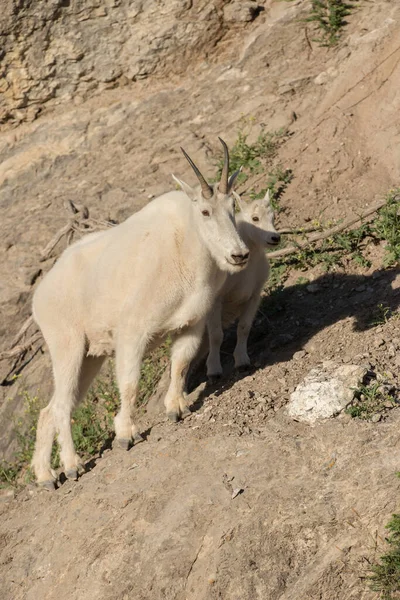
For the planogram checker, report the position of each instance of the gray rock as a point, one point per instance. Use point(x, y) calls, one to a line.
point(376, 418)
point(325, 392)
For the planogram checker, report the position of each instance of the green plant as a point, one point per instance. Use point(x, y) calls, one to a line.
point(385, 576)
point(277, 181)
point(370, 400)
point(330, 17)
point(381, 315)
point(92, 422)
point(387, 227)
point(249, 156)
point(302, 280)
point(349, 245)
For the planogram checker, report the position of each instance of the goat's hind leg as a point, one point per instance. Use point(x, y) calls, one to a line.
point(129, 354)
point(183, 351)
point(56, 417)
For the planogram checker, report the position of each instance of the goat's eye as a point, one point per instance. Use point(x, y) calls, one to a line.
point(205, 213)
point(255, 218)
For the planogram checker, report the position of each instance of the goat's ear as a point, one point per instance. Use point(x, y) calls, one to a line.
point(232, 179)
point(267, 197)
point(189, 191)
point(238, 201)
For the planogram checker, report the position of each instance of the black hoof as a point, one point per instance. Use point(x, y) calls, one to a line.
point(173, 416)
point(243, 368)
point(47, 485)
point(212, 379)
point(72, 474)
point(123, 443)
point(137, 438)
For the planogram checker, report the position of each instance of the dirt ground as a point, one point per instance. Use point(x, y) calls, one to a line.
point(159, 521)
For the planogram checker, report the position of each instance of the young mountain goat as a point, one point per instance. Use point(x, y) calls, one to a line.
point(240, 294)
point(125, 289)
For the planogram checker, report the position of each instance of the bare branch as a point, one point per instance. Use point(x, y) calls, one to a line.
point(20, 349)
point(366, 215)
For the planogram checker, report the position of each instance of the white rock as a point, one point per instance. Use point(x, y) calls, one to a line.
point(325, 391)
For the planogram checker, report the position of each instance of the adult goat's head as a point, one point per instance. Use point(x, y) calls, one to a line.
point(214, 212)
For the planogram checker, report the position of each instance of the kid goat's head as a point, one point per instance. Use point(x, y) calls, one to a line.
point(257, 222)
point(214, 211)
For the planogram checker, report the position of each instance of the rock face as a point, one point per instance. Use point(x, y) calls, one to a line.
point(65, 51)
point(325, 392)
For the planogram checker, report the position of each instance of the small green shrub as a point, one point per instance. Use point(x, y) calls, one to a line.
point(387, 227)
point(385, 577)
point(252, 157)
point(330, 18)
point(277, 181)
point(382, 315)
point(371, 399)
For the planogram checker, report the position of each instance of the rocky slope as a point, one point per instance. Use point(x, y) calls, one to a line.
point(97, 98)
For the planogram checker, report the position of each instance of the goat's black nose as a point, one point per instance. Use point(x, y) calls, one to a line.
point(276, 238)
point(240, 258)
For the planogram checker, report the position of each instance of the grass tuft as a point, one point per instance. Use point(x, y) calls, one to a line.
point(92, 421)
point(385, 577)
point(330, 18)
point(252, 157)
point(336, 251)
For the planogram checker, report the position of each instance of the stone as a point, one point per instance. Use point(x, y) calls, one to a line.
point(240, 12)
point(376, 418)
point(325, 391)
point(313, 288)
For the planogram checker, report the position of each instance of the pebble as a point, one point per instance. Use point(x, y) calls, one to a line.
point(376, 418)
point(388, 404)
point(299, 355)
point(6, 495)
point(313, 288)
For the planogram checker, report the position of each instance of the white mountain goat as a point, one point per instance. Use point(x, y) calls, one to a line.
point(240, 295)
point(125, 289)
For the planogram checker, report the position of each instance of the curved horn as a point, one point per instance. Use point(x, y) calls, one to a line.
point(206, 189)
point(232, 179)
point(223, 186)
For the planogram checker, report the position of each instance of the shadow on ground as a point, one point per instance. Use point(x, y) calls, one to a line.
point(291, 316)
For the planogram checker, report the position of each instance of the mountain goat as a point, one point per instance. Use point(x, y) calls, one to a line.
point(240, 295)
point(125, 289)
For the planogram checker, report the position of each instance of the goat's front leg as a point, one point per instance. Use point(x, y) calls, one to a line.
point(215, 336)
point(130, 349)
point(184, 349)
point(243, 329)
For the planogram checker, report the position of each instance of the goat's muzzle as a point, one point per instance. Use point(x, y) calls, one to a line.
point(239, 259)
point(275, 239)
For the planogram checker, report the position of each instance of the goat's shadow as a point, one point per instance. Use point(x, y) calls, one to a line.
point(289, 317)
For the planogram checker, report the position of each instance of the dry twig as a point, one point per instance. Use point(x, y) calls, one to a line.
point(366, 216)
